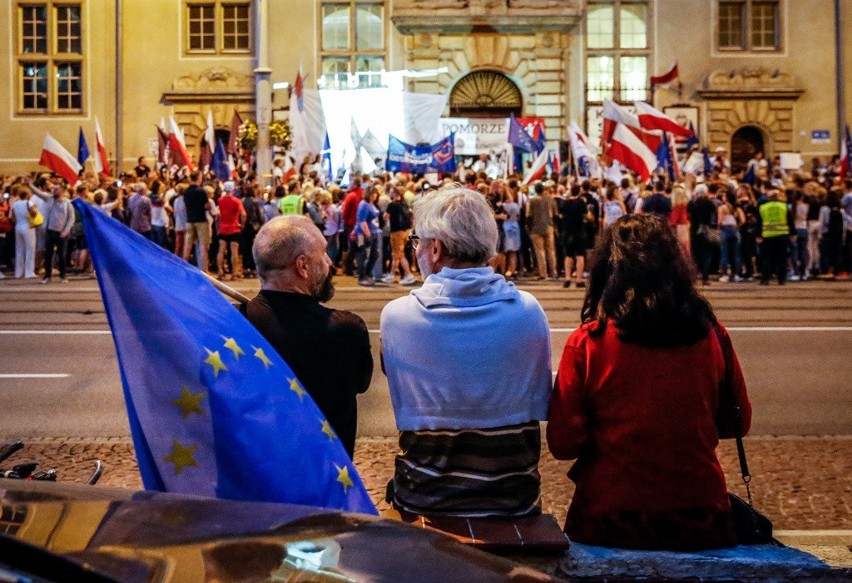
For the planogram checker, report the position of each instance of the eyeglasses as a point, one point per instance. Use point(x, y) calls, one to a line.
point(415, 241)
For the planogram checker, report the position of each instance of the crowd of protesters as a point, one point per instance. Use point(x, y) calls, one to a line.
point(790, 225)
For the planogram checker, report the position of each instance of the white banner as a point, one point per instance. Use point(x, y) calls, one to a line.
point(476, 136)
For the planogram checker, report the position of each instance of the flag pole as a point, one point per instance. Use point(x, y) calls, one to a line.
point(227, 290)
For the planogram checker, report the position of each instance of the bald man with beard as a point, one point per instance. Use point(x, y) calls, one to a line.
point(329, 350)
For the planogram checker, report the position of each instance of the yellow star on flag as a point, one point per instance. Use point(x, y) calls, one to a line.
point(343, 477)
point(232, 345)
point(259, 354)
point(182, 457)
point(189, 403)
point(297, 388)
point(214, 360)
point(326, 428)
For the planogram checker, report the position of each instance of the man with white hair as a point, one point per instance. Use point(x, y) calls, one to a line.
point(467, 358)
point(329, 350)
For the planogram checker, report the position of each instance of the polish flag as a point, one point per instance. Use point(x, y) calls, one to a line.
point(59, 160)
point(665, 78)
point(177, 145)
point(580, 146)
point(537, 170)
point(615, 114)
point(845, 150)
point(632, 152)
point(101, 159)
point(289, 169)
point(654, 119)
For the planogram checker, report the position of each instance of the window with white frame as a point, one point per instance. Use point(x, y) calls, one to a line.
point(617, 50)
point(352, 46)
point(216, 28)
point(49, 60)
point(748, 25)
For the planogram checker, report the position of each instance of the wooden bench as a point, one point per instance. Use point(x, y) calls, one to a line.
point(538, 534)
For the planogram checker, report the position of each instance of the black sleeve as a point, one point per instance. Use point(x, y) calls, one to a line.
point(355, 343)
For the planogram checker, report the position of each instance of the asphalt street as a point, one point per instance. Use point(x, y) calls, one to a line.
point(59, 375)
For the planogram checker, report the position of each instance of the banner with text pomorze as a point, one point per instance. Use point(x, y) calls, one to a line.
point(437, 157)
point(476, 136)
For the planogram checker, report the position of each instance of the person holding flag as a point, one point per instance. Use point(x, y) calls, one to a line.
point(59, 218)
point(295, 280)
point(214, 409)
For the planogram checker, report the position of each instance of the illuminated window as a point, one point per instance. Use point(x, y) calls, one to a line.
point(218, 27)
point(49, 54)
point(352, 44)
point(617, 51)
point(749, 25)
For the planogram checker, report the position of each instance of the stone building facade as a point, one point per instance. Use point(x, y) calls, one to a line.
point(754, 74)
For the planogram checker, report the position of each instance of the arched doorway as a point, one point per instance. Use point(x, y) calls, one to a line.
point(485, 93)
point(744, 143)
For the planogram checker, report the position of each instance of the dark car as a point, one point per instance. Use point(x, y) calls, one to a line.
point(68, 532)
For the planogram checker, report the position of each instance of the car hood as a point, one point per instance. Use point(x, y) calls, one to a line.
point(147, 537)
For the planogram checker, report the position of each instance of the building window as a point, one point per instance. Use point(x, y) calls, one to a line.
point(353, 44)
point(749, 25)
point(49, 57)
point(216, 28)
point(617, 51)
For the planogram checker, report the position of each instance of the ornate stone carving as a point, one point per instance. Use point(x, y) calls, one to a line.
point(537, 4)
point(213, 79)
point(750, 82)
point(750, 78)
point(438, 4)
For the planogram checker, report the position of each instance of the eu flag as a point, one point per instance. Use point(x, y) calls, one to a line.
point(519, 138)
point(219, 162)
point(213, 409)
point(82, 149)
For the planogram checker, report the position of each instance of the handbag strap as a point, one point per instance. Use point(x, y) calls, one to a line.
point(735, 412)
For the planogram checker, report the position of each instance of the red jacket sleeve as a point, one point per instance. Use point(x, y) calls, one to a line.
point(737, 382)
point(567, 420)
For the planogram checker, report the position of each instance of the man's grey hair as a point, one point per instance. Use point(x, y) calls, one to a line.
point(459, 218)
point(279, 242)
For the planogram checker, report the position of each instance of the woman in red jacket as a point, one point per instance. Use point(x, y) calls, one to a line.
point(639, 400)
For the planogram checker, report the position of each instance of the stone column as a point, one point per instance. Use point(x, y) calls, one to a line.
point(263, 91)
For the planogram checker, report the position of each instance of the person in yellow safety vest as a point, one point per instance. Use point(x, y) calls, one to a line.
point(776, 229)
point(293, 203)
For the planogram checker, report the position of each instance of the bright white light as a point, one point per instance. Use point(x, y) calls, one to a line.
point(281, 85)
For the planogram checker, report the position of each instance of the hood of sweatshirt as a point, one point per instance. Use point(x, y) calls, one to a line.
point(472, 286)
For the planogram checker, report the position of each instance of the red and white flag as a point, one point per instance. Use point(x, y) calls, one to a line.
point(208, 142)
point(536, 171)
point(665, 78)
point(845, 150)
point(59, 160)
point(615, 114)
point(651, 118)
point(628, 149)
point(177, 145)
point(101, 158)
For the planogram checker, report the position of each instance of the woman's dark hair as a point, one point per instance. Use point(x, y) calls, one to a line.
point(641, 280)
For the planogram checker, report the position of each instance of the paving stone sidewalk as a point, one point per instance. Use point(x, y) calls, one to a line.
point(800, 483)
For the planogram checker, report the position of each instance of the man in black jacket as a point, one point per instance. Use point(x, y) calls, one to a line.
point(329, 350)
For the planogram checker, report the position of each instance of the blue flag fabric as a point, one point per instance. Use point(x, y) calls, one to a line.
point(437, 157)
point(219, 162)
point(213, 409)
point(326, 158)
point(692, 139)
point(519, 138)
point(708, 165)
point(664, 157)
point(82, 149)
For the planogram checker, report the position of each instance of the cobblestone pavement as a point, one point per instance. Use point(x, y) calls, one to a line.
point(800, 483)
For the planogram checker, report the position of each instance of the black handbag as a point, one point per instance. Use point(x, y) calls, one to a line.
point(750, 526)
